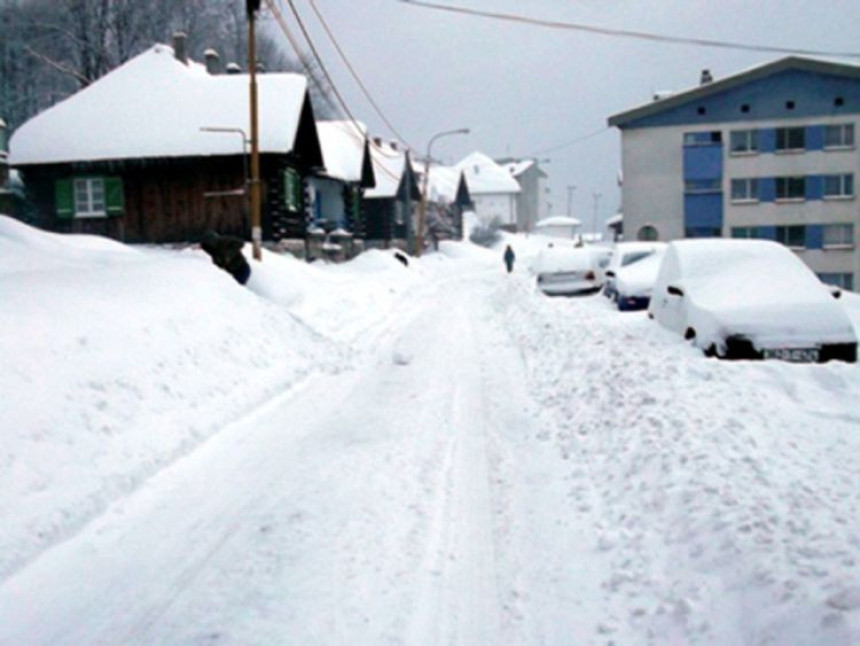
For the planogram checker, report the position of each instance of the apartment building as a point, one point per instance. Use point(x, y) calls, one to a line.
point(767, 153)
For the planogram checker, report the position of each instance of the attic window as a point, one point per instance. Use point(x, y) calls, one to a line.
point(745, 108)
point(838, 101)
point(789, 105)
point(701, 111)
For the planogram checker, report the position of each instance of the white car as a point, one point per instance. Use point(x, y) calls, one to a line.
point(623, 255)
point(749, 299)
point(634, 283)
point(564, 270)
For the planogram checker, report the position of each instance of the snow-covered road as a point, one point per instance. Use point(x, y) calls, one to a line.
point(425, 455)
point(366, 507)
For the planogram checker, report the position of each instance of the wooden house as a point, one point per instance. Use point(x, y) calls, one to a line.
point(155, 151)
point(389, 206)
point(335, 191)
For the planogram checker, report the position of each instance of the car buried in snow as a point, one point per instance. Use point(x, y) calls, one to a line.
point(566, 270)
point(749, 299)
point(625, 254)
point(634, 283)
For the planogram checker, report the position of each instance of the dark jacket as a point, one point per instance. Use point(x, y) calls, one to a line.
point(226, 253)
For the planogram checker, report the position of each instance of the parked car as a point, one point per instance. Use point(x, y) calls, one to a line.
point(749, 299)
point(634, 282)
point(564, 270)
point(623, 255)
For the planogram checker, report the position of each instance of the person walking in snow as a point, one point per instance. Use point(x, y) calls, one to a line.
point(509, 258)
point(226, 253)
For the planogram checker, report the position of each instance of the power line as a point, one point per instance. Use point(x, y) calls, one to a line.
point(623, 33)
point(279, 18)
point(570, 143)
point(355, 75)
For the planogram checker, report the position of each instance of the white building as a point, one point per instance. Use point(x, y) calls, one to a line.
point(492, 189)
point(766, 153)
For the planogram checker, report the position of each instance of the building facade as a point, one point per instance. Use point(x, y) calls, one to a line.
point(769, 153)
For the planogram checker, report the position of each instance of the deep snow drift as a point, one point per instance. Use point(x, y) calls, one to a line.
point(371, 453)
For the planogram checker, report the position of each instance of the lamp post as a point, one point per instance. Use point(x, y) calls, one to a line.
point(422, 207)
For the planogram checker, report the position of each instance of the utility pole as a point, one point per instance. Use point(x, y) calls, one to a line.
point(422, 206)
point(252, 6)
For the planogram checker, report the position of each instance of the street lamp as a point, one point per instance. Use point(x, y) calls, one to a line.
point(422, 207)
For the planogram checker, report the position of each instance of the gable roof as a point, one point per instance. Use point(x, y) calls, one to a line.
point(345, 151)
point(484, 176)
point(389, 166)
point(154, 106)
point(789, 63)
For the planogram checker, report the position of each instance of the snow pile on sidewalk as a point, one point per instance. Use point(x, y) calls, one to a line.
point(719, 498)
point(118, 360)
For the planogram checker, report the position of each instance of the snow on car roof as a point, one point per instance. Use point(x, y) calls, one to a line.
point(155, 106)
point(566, 258)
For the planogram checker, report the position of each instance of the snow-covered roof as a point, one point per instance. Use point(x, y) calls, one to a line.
point(389, 163)
point(342, 144)
point(442, 183)
point(155, 106)
point(558, 221)
point(484, 176)
point(519, 167)
point(618, 218)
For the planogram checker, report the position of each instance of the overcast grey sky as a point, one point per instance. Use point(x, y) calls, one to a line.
point(523, 89)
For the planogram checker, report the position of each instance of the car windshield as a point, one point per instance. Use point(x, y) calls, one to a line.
point(630, 258)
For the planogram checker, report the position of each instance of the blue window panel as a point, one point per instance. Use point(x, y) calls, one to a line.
point(703, 162)
point(767, 189)
point(703, 211)
point(815, 137)
point(814, 236)
point(767, 233)
point(814, 187)
point(767, 140)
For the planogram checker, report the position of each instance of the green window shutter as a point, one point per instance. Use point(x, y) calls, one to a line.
point(64, 199)
point(114, 196)
point(293, 190)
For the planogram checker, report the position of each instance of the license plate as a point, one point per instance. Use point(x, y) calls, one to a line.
point(795, 355)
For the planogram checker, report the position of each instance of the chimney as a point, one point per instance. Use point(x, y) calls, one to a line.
point(180, 47)
point(378, 141)
point(706, 77)
point(393, 145)
point(213, 62)
point(233, 68)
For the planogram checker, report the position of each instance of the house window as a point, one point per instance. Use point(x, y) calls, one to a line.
point(702, 186)
point(838, 236)
point(703, 232)
point(648, 233)
point(706, 138)
point(90, 197)
point(743, 141)
point(790, 139)
point(792, 236)
point(845, 281)
point(745, 190)
point(790, 188)
point(838, 186)
point(747, 233)
point(839, 136)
